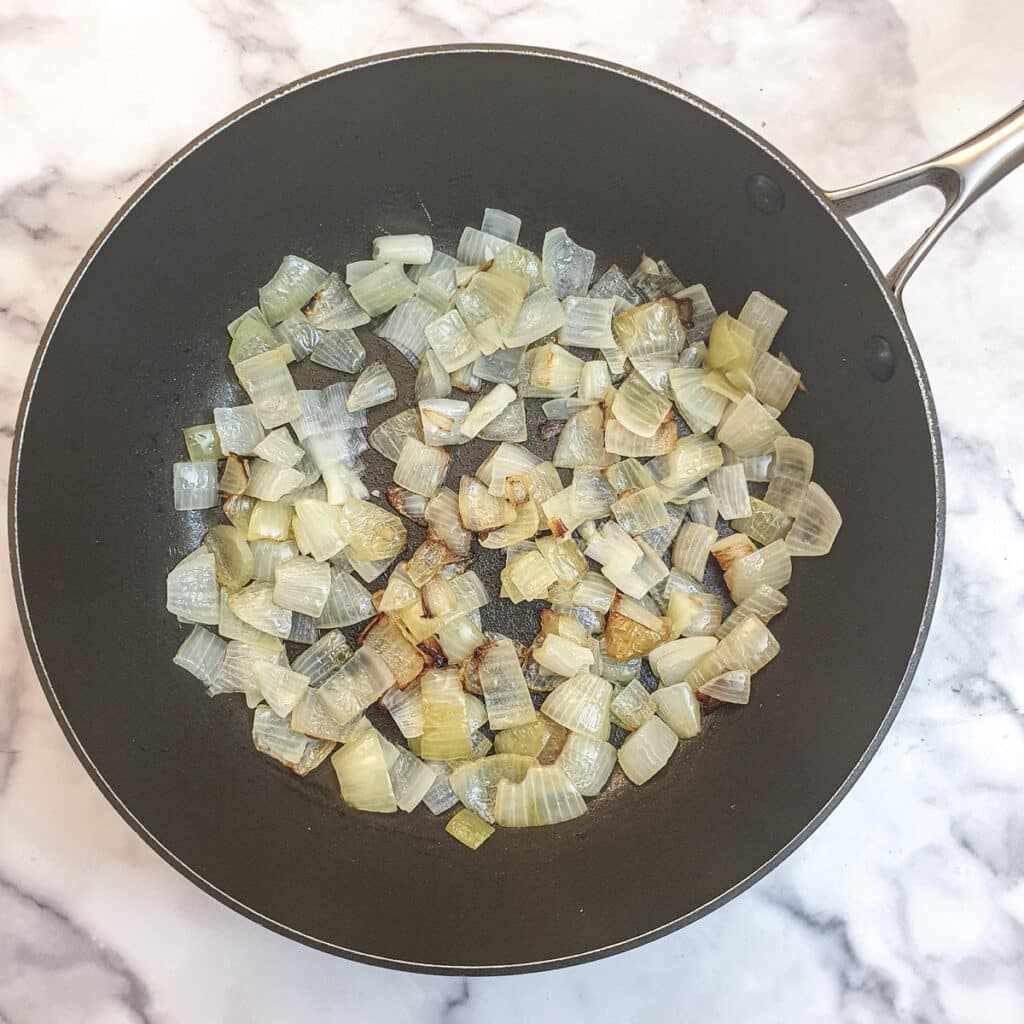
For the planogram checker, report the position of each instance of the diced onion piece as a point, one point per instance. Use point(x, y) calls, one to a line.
point(239, 429)
point(388, 437)
point(477, 247)
point(629, 475)
point(451, 341)
point(541, 314)
point(339, 350)
point(673, 661)
point(595, 592)
point(730, 346)
point(369, 531)
point(302, 585)
point(525, 526)
point(505, 693)
point(332, 308)
point(195, 486)
point(321, 528)
point(647, 750)
point(748, 429)
point(581, 442)
point(411, 779)
point(279, 686)
point(620, 440)
point(293, 284)
point(298, 334)
point(432, 380)
point(460, 637)
point(791, 472)
point(613, 282)
point(638, 407)
point(700, 408)
point(581, 703)
point(236, 674)
point(202, 443)
point(270, 520)
point(749, 646)
point(442, 420)
point(731, 687)
point(374, 386)
point(443, 519)
point(476, 782)
point(406, 708)
point(324, 658)
point(765, 603)
point(633, 705)
point(254, 604)
point(279, 448)
point(764, 524)
point(250, 335)
point(492, 295)
point(587, 762)
point(361, 680)
point(271, 735)
point(446, 732)
point(692, 547)
point(689, 462)
point(501, 224)
point(386, 638)
point(234, 557)
point(816, 525)
point(202, 654)
point(349, 602)
point(360, 268)
point(268, 383)
point(592, 495)
point(568, 268)
point(270, 481)
point(403, 248)
point(485, 410)
point(588, 323)
point(234, 478)
point(383, 289)
point(469, 829)
point(640, 510)
point(192, 591)
point(544, 797)
point(528, 577)
point(555, 369)
point(404, 328)
point(440, 797)
point(625, 636)
point(479, 509)
point(363, 775)
point(650, 330)
point(775, 382)
point(595, 380)
point(421, 469)
point(679, 709)
point(310, 718)
point(769, 566)
point(764, 317)
point(726, 550)
point(729, 486)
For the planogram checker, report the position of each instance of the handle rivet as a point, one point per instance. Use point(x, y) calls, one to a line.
point(764, 194)
point(879, 358)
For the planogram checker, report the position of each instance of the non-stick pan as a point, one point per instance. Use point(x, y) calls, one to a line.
point(422, 141)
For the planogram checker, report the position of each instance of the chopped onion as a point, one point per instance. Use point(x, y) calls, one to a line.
point(640, 510)
point(478, 247)
point(728, 484)
point(673, 661)
point(501, 224)
point(339, 350)
point(555, 370)
point(581, 442)
point(505, 693)
point(620, 440)
point(450, 339)
point(250, 335)
point(269, 384)
point(279, 686)
point(432, 380)
point(236, 674)
point(764, 524)
point(544, 797)
point(255, 605)
point(726, 550)
point(748, 429)
point(332, 308)
point(647, 750)
point(363, 774)
point(633, 705)
point(271, 735)
point(689, 462)
point(594, 591)
point(270, 481)
point(692, 547)
point(375, 386)
point(349, 602)
point(459, 637)
point(730, 687)
point(239, 429)
point(321, 528)
point(492, 295)
point(232, 554)
point(508, 425)
point(479, 509)
point(443, 519)
point(791, 472)
point(592, 495)
point(292, 286)
point(638, 407)
point(360, 268)
point(383, 289)
point(446, 732)
point(652, 329)
point(386, 638)
point(764, 317)
point(202, 654)
point(469, 829)
point(525, 526)
point(595, 380)
point(404, 328)
point(192, 591)
point(769, 566)
point(527, 577)
point(700, 408)
point(476, 782)
point(588, 323)
point(297, 333)
point(816, 525)
point(587, 762)
point(421, 469)
point(765, 603)
point(279, 448)
point(302, 585)
point(625, 636)
point(567, 267)
point(486, 409)
point(406, 708)
point(389, 436)
point(195, 485)
point(234, 479)
point(357, 683)
point(749, 646)
point(324, 658)
point(403, 248)
point(202, 443)
point(541, 314)
point(679, 709)
point(775, 382)
point(369, 531)
point(582, 702)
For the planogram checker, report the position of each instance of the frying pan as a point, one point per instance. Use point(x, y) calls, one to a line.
point(422, 141)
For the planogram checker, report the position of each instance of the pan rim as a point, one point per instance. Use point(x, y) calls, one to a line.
point(376, 959)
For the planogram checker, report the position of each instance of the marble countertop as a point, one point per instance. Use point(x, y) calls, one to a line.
point(908, 903)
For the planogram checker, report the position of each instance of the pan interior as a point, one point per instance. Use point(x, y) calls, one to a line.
point(423, 144)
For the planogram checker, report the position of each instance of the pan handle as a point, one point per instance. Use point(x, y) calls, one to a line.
point(962, 174)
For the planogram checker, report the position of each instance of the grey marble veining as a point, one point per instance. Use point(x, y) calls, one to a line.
point(908, 903)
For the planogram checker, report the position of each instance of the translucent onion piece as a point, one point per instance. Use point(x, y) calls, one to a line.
point(234, 557)
point(700, 408)
point(279, 686)
point(440, 797)
point(692, 547)
point(459, 637)
point(726, 550)
point(620, 440)
point(728, 484)
point(640, 510)
point(595, 380)
point(202, 443)
point(298, 334)
point(235, 477)
point(816, 525)
point(633, 705)
point(469, 829)
point(525, 526)
point(613, 282)
point(403, 248)
point(385, 637)
point(231, 627)
point(764, 524)
point(311, 718)
point(749, 646)
point(625, 637)
point(432, 380)
point(478, 247)
point(202, 654)
point(508, 425)
point(375, 386)
point(476, 782)
point(268, 383)
point(195, 486)
point(505, 693)
point(302, 585)
point(689, 462)
point(291, 287)
point(541, 314)
point(270, 481)
point(594, 591)
point(679, 709)
point(321, 528)
point(411, 779)
point(442, 515)
point(592, 494)
point(369, 531)
point(588, 323)
point(384, 288)
point(791, 473)
point(501, 224)
point(501, 367)
point(421, 469)
point(272, 735)
point(404, 328)
point(646, 751)
point(254, 604)
point(339, 350)
point(544, 797)
point(446, 732)
point(555, 370)
point(748, 429)
point(494, 294)
point(239, 429)
point(730, 687)
point(765, 603)
point(486, 409)
point(324, 658)
point(527, 577)
point(525, 264)
point(660, 538)
point(279, 448)
point(192, 591)
point(389, 436)
point(360, 681)
point(349, 602)
point(671, 662)
point(236, 674)
point(650, 330)
point(764, 317)
point(363, 775)
point(332, 307)
point(250, 335)
point(479, 509)
point(775, 382)
point(770, 566)
point(304, 629)
point(360, 268)
point(581, 442)
point(580, 704)
point(567, 267)
point(406, 708)
point(587, 762)
point(450, 339)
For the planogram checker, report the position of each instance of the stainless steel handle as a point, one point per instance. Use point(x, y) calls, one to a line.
point(962, 174)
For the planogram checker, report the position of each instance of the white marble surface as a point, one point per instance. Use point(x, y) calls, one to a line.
point(908, 904)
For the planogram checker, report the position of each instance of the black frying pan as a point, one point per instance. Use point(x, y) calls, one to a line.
point(136, 349)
